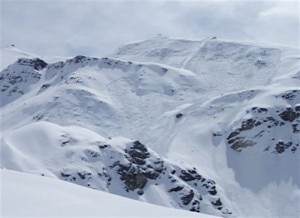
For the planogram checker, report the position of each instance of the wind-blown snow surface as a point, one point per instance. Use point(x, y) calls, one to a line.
point(210, 126)
point(35, 196)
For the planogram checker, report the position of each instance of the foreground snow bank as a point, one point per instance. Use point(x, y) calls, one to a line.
point(30, 195)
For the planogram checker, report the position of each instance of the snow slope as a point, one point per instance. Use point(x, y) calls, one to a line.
point(9, 54)
point(210, 126)
point(25, 195)
point(118, 165)
point(219, 64)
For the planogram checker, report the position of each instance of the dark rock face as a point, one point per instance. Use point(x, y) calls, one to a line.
point(189, 175)
point(36, 63)
point(134, 181)
point(186, 199)
point(76, 177)
point(137, 167)
point(289, 115)
point(263, 123)
point(217, 203)
point(179, 115)
point(289, 96)
point(281, 146)
point(15, 82)
point(241, 143)
point(176, 189)
point(213, 191)
point(247, 124)
point(238, 143)
point(136, 172)
point(138, 153)
point(80, 59)
point(296, 128)
point(185, 176)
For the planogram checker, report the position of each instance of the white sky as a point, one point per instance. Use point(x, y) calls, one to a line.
point(97, 28)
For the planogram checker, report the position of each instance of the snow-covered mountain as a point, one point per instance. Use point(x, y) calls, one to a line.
point(209, 126)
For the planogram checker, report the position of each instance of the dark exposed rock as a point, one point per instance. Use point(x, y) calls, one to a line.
point(39, 64)
point(38, 117)
point(290, 95)
point(138, 152)
point(289, 115)
point(179, 115)
point(151, 174)
point(195, 206)
point(217, 203)
point(242, 143)
point(44, 87)
point(295, 128)
point(36, 63)
point(139, 146)
point(138, 161)
point(64, 174)
point(262, 124)
point(65, 142)
point(92, 153)
point(176, 189)
point(233, 134)
point(83, 175)
point(185, 176)
point(103, 146)
point(213, 190)
point(261, 110)
point(79, 59)
point(136, 169)
point(15, 79)
point(164, 70)
point(134, 181)
point(215, 134)
point(281, 146)
point(186, 199)
point(140, 192)
point(247, 124)
point(294, 148)
point(267, 148)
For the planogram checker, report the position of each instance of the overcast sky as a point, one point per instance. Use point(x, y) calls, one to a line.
point(96, 28)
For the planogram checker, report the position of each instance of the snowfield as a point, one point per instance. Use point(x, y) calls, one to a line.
point(25, 195)
point(208, 126)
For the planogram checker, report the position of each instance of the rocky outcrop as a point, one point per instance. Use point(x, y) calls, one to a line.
point(17, 79)
point(137, 168)
point(36, 63)
point(262, 125)
point(290, 114)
